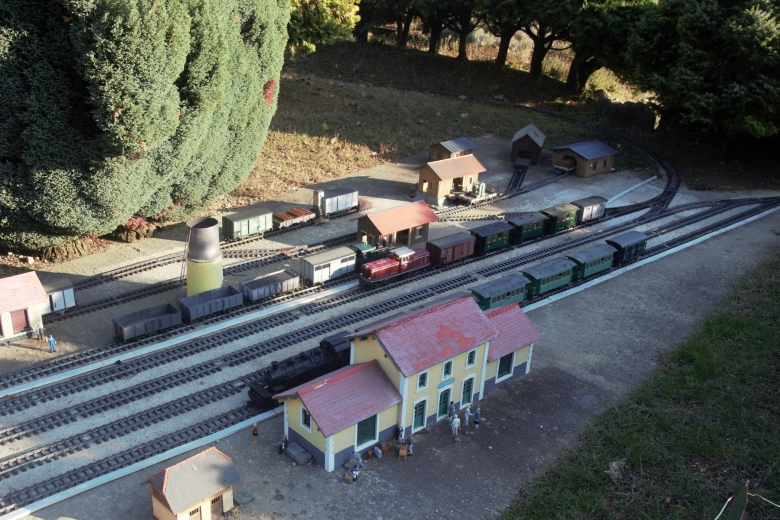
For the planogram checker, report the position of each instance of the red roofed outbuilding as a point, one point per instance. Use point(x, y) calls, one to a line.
point(405, 225)
point(510, 353)
point(22, 298)
point(341, 413)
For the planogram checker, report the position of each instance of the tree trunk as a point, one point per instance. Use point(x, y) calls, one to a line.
point(537, 56)
point(436, 29)
point(582, 66)
point(503, 47)
point(407, 24)
point(462, 41)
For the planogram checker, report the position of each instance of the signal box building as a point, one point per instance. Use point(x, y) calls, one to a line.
point(440, 178)
point(22, 299)
point(405, 371)
point(528, 142)
point(449, 149)
point(198, 488)
point(402, 226)
point(591, 157)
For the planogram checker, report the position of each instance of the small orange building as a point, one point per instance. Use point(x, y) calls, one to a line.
point(440, 178)
point(198, 488)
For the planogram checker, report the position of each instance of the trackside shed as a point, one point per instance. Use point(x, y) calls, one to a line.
point(449, 149)
point(438, 179)
point(405, 225)
point(527, 142)
point(591, 157)
point(21, 298)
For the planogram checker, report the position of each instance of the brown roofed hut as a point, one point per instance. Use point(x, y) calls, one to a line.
point(439, 178)
point(405, 225)
point(196, 488)
point(527, 142)
point(449, 149)
point(591, 157)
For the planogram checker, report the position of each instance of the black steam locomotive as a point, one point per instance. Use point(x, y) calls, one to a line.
point(332, 354)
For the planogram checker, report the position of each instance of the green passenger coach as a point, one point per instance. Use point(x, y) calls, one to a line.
point(527, 226)
point(592, 260)
point(501, 291)
point(549, 275)
point(562, 216)
point(491, 236)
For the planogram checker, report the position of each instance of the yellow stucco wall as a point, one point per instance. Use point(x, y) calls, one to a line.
point(346, 438)
point(294, 422)
point(521, 356)
point(160, 510)
point(369, 349)
point(459, 374)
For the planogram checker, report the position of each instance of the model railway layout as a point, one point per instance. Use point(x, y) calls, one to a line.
point(230, 372)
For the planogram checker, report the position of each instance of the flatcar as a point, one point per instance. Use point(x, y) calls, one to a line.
point(490, 237)
point(401, 262)
point(332, 354)
point(592, 260)
point(146, 321)
point(590, 208)
point(335, 202)
point(451, 249)
point(526, 226)
point(501, 291)
point(246, 223)
point(630, 246)
point(327, 265)
point(291, 217)
point(562, 216)
point(549, 275)
point(269, 285)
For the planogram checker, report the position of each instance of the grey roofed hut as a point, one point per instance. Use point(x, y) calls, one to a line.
point(528, 142)
point(450, 149)
point(201, 485)
point(592, 157)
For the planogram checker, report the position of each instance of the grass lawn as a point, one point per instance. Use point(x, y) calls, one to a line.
point(708, 422)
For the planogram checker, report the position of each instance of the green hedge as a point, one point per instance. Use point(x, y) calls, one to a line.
point(115, 108)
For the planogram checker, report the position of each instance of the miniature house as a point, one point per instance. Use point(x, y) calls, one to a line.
point(527, 142)
point(402, 226)
point(449, 149)
point(22, 298)
point(440, 178)
point(198, 488)
point(588, 158)
point(405, 371)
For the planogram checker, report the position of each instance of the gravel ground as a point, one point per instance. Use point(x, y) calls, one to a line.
point(571, 379)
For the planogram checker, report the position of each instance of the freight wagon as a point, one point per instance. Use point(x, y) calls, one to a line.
point(217, 300)
point(269, 285)
point(590, 208)
point(451, 248)
point(60, 295)
point(284, 219)
point(246, 223)
point(327, 265)
point(339, 201)
point(146, 321)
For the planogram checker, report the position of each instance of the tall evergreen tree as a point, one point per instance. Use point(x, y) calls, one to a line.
point(115, 108)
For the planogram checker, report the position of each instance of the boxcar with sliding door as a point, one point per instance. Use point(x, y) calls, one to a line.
point(327, 265)
point(592, 260)
point(630, 246)
point(247, 222)
point(501, 291)
point(548, 275)
point(526, 226)
point(590, 208)
point(450, 249)
point(490, 237)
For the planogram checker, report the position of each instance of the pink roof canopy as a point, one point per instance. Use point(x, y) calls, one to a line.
point(515, 331)
point(20, 292)
point(403, 217)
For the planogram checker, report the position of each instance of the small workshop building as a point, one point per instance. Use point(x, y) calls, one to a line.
point(591, 157)
point(506, 361)
point(527, 142)
point(440, 178)
point(405, 225)
point(22, 300)
point(197, 488)
point(449, 149)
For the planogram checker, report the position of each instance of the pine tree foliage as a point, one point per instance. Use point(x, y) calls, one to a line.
point(115, 108)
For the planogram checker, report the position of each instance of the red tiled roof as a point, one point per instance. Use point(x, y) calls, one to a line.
point(424, 338)
point(456, 167)
point(515, 331)
point(347, 396)
point(20, 292)
point(403, 217)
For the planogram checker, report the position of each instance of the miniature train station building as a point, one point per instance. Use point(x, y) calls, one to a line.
point(528, 142)
point(405, 225)
point(591, 157)
point(449, 149)
point(440, 178)
point(197, 488)
point(404, 372)
point(22, 302)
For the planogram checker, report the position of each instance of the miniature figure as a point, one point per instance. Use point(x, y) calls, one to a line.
point(467, 415)
point(52, 342)
point(254, 433)
point(354, 471)
point(39, 331)
point(283, 445)
point(455, 425)
point(477, 417)
point(451, 410)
